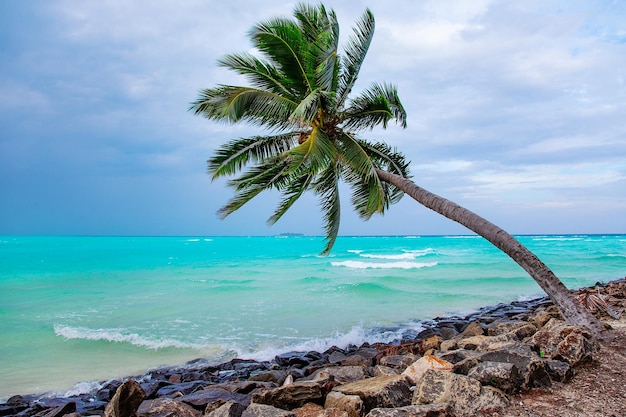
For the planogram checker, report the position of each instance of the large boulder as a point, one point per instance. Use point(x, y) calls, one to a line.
point(340, 373)
point(380, 391)
point(290, 396)
point(229, 409)
point(563, 341)
point(425, 410)
point(214, 395)
point(166, 407)
point(351, 404)
point(531, 368)
point(501, 375)
point(126, 400)
point(264, 410)
point(415, 371)
point(463, 394)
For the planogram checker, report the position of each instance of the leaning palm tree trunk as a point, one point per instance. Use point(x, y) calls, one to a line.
point(571, 310)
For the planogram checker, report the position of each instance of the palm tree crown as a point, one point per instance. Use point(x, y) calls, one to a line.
point(299, 88)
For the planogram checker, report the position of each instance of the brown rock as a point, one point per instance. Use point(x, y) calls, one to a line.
point(473, 329)
point(501, 375)
point(351, 404)
point(290, 396)
point(229, 409)
point(62, 410)
point(425, 410)
point(264, 410)
point(417, 369)
point(381, 391)
point(166, 407)
point(126, 400)
point(464, 395)
point(563, 341)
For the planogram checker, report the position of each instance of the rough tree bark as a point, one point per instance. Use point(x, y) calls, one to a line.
point(571, 310)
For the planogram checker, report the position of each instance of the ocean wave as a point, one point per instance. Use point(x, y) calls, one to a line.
point(407, 254)
point(386, 265)
point(121, 336)
point(357, 336)
point(557, 238)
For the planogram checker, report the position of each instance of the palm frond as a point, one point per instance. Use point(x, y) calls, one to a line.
point(261, 75)
point(368, 197)
point(234, 104)
point(327, 188)
point(283, 42)
point(234, 155)
point(316, 151)
point(354, 156)
point(307, 108)
point(356, 50)
point(375, 106)
point(292, 191)
point(389, 159)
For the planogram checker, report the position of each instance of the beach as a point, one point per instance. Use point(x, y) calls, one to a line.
point(80, 311)
point(554, 369)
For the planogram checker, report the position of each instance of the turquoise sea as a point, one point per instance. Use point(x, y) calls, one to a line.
point(74, 310)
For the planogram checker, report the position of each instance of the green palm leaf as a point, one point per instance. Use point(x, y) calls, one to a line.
point(234, 155)
point(377, 105)
point(356, 49)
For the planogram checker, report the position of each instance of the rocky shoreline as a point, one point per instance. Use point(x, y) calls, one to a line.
point(457, 366)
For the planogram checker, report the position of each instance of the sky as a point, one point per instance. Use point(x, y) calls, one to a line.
point(516, 110)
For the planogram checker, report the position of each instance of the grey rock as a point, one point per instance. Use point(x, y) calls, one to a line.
point(263, 410)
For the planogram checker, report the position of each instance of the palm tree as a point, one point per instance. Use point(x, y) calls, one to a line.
point(300, 92)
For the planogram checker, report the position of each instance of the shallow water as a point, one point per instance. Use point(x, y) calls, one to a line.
point(78, 309)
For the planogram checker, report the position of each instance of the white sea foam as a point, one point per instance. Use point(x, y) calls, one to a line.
point(357, 335)
point(557, 238)
point(83, 388)
point(121, 336)
point(385, 265)
point(391, 257)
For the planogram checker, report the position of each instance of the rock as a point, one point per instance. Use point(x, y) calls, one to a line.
point(521, 329)
point(126, 400)
point(559, 371)
point(176, 390)
point(563, 341)
point(472, 329)
point(417, 369)
point(14, 405)
point(398, 361)
point(290, 396)
point(166, 407)
point(229, 409)
point(485, 343)
point(532, 370)
point(277, 376)
point(314, 410)
point(210, 395)
point(263, 410)
point(297, 359)
point(380, 391)
point(448, 333)
point(67, 408)
point(540, 318)
point(501, 375)
point(381, 370)
point(431, 343)
point(425, 410)
point(449, 344)
point(341, 373)
point(465, 395)
point(351, 404)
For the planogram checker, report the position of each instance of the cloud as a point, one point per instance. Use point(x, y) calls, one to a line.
point(515, 105)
